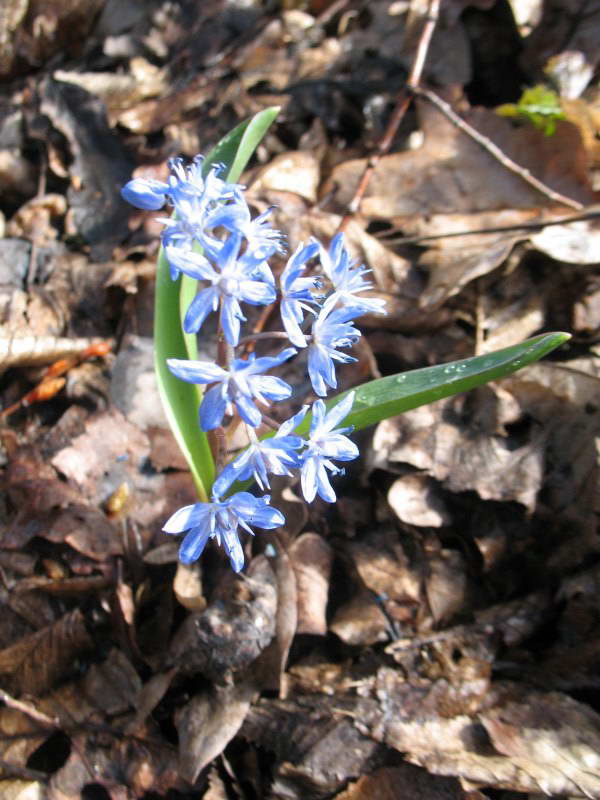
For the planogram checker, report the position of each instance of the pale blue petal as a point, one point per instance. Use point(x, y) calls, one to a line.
point(214, 405)
point(270, 386)
point(186, 517)
point(196, 371)
point(193, 545)
point(324, 488)
point(231, 316)
point(308, 479)
point(145, 193)
point(201, 306)
point(339, 412)
point(247, 410)
point(233, 548)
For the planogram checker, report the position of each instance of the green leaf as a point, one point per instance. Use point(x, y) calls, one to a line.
point(394, 394)
point(236, 148)
point(181, 400)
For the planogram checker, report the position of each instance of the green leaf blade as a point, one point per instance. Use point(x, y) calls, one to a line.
point(395, 394)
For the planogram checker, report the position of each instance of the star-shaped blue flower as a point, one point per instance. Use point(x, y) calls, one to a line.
point(324, 444)
point(233, 279)
point(221, 519)
point(331, 329)
point(276, 456)
point(240, 385)
point(262, 239)
point(348, 279)
point(296, 292)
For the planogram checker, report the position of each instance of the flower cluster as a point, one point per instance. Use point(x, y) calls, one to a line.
point(212, 237)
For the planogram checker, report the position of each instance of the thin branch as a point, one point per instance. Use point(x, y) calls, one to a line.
point(252, 337)
point(591, 212)
point(29, 710)
point(402, 103)
point(494, 150)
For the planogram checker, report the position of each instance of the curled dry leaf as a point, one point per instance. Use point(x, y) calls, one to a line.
point(208, 723)
point(360, 621)
point(575, 243)
point(311, 558)
point(442, 439)
point(187, 587)
point(237, 625)
point(296, 172)
point(417, 500)
point(316, 750)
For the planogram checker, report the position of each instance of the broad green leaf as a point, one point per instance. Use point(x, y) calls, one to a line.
point(394, 394)
point(181, 400)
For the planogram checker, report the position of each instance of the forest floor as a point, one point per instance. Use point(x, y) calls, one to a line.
point(435, 633)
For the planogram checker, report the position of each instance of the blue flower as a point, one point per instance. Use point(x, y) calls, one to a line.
point(276, 455)
point(240, 386)
point(325, 443)
point(296, 295)
point(235, 216)
point(145, 193)
point(330, 330)
point(347, 279)
point(220, 520)
point(232, 281)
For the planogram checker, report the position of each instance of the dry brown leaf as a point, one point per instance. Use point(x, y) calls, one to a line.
point(360, 621)
point(451, 173)
point(37, 661)
point(22, 790)
point(208, 723)
point(418, 501)
point(311, 560)
point(237, 625)
point(316, 750)
point(462, 455)
point(402, 783)
point(445, 584)
point(575, 243)
point(297, 172)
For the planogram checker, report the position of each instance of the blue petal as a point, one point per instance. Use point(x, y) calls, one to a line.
point(270, 386)
point(290, 322)
point(214, 405)
point(193, 544)
point(257, 293)
point(308, 479)
point(323, 486)
point(205, 301)
point(145, 193)
point(233, 548)
point(339, 411)
point(196, 371)
point(186, 517)
point(320, 370)
point(231, 315)
point(247, 410)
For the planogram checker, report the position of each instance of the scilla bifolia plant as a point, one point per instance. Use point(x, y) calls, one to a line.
point(215, 260)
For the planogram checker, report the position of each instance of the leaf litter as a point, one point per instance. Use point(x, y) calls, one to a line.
point(435, 634)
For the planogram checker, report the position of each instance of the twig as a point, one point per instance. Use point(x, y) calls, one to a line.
point(402, 104)
point(494, 150)
point(591, 212)
point(29, 710)
point(251, 337)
